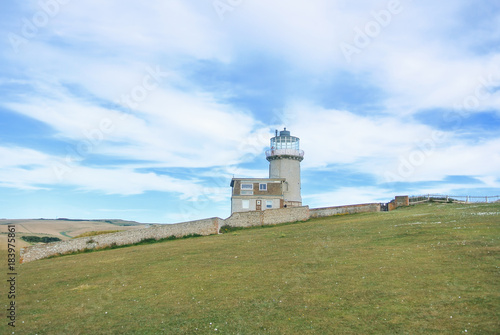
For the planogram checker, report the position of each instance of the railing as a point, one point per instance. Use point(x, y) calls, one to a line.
point(285, 152)
point(415, 199)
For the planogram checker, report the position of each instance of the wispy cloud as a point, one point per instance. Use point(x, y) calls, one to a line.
point(29, 169)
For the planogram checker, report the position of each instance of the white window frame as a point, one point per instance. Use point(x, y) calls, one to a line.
point(246, 189)
point(262, 188)
point(269, 204)
point(245, 204)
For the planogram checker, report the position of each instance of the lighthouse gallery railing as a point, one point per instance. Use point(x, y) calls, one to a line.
point(283, 152)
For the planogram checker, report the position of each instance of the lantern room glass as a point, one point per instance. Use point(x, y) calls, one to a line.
point(285, 142)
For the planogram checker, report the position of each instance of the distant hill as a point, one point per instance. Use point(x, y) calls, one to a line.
point(117, 222)
point(62, 228)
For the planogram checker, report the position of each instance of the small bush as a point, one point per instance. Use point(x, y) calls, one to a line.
point(228, 229)
point(38, 239)
point(191, 235)
point(147, 241)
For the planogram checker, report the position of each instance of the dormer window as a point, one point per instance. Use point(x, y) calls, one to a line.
point(246, 189)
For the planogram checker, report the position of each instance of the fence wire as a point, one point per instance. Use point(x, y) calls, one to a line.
point(454, 198)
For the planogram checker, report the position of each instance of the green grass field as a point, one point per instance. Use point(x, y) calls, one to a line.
point(430, 268)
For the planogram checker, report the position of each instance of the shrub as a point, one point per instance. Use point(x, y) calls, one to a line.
point(191, 235)
point(37, 239)
point(48, 239)
point(228, 229)
point(147, 241)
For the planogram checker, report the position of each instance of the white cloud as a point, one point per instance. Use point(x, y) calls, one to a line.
point(157, 26)
point(342, 137)
point(17, 156)
point(412, 59)
point(30, 169)
point(171, 128)
point(480, 160)
point(304, 34)
point(391, 149)
point(347, 196)
point(422, 80)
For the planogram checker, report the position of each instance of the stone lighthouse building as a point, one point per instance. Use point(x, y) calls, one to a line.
point(284, 162)
point(282, 188)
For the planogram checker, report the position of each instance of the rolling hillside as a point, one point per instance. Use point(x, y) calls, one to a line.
point(430, 268)
point(62, 228)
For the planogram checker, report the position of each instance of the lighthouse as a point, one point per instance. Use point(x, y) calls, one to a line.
point(284, 162)
point(282, 188)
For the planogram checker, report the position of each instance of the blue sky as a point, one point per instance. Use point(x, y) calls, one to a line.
point(144, 111)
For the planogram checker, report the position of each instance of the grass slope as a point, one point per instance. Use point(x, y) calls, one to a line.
point(431, 268)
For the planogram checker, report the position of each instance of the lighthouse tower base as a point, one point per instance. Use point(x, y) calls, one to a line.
point(289, 169)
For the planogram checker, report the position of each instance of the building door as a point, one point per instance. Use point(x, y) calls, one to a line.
point(259, 205)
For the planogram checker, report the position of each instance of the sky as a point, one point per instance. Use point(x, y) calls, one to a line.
point(145, 110)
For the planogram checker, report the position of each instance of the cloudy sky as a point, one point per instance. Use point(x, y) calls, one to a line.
point(144, 111)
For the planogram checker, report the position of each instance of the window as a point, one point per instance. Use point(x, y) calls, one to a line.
point(245, 204)
point(246, 189)
point(269, 204)
point(262, 187)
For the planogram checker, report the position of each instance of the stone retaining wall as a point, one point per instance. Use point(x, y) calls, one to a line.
point(350, 209)
point(244, 219)
point(282, 215)
point(267, 217)
point(200, 227)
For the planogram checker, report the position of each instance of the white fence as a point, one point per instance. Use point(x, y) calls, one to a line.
point(415, 199)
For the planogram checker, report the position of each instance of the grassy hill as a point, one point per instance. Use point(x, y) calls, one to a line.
point(430, 268)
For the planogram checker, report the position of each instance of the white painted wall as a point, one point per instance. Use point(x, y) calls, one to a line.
point(290, 169)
